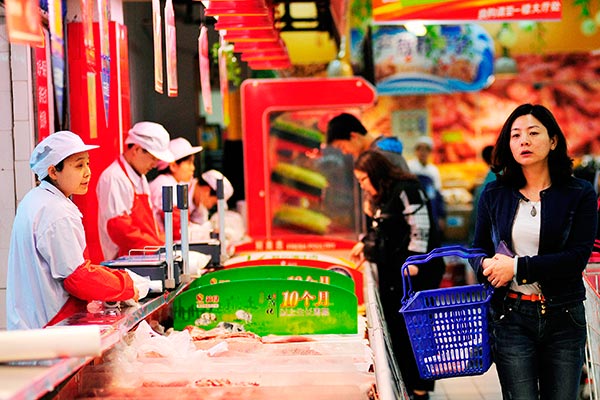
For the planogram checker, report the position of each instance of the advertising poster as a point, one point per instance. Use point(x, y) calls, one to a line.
point(171, 49)
point(157, 40)
point(449, 58)
point(223, 79)
point(23, 22)
point(466, 10)
point(103, 18)
point(204, 63)
point(87, 13)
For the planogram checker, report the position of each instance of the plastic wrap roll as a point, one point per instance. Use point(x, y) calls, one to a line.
point(53, 342)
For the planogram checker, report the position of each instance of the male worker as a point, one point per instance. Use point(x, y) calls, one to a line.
point(125, 217)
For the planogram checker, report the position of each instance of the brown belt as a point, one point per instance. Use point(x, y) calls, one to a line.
point(526, 297)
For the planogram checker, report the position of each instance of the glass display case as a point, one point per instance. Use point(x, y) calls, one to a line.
point(300, 193)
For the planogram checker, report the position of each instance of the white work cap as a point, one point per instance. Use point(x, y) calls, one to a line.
point(424, 140)
point(55, 148)
point(153, 138)
point(211, 177)
point(181, 148)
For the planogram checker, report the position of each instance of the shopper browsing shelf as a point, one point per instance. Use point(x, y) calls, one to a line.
point(402, 226)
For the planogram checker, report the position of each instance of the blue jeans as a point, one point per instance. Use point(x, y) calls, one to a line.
point(538, 355)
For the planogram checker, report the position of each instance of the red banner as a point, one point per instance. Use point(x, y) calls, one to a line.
point(42, 91)
point(470, 10)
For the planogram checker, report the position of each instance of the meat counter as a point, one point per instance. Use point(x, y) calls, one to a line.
point(318, 366)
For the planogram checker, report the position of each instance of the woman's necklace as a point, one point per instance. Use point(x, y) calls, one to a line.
point(533, 211)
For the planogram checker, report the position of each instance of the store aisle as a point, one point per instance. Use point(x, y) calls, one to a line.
point(482, 387)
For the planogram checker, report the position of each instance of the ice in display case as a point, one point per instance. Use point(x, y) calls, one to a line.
point(300, 194)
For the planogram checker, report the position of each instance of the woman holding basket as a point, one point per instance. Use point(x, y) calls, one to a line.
point(402, 226)
point(537, 224)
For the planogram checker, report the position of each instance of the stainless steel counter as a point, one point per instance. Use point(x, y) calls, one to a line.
point(31, 380)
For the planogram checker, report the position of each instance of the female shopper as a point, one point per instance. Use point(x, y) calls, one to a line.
point(49, 277)
point(537, 224)
point(402, 226)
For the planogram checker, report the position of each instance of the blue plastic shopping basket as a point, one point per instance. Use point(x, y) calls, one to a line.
point(447, 327)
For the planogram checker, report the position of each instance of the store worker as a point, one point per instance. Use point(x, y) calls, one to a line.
point(430, 178)
point(537, 224)
point(178, 172)
point(49, 277)
point(205, 199)
point(125, 216)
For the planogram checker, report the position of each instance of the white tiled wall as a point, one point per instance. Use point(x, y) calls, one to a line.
point(16, 142)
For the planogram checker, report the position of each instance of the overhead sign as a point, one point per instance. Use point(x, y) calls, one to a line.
point(386, 11)
point(449, 58)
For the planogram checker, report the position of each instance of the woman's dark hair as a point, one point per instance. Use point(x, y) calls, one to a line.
point(506, 167)
point(167, 170)
point(381, 172)
point(59, 167)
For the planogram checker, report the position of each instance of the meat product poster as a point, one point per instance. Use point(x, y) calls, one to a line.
point(448, 58)
point(462, 123)
point(568, 84)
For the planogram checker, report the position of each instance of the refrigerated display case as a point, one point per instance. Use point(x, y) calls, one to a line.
point(300, 194)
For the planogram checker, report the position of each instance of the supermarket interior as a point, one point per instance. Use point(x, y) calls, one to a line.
point(261, 293)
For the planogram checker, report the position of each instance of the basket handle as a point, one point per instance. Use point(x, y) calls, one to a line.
point(417, 259)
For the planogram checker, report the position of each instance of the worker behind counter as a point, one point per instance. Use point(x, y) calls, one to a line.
point(125, 215)
point(205, 200)
point(49, 277)
point(178, 172)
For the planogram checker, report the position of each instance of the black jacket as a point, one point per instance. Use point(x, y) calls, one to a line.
point(568, 227)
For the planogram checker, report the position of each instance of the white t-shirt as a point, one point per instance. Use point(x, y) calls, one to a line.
point(526, 239)
point(429, 170)
point(46, 246)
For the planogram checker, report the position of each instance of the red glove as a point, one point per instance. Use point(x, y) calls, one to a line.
point(96, 282)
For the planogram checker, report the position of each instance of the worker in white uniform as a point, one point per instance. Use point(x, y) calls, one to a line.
point(179, 172)
point(49, 277)
point(205, 199)
point(125, 216)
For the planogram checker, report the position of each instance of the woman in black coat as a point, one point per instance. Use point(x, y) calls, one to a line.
point(402, 225)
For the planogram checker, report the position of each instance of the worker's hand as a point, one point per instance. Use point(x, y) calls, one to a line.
point(499, 269)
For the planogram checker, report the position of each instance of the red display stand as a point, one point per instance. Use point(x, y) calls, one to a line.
point(283, 124)
point(87, 115)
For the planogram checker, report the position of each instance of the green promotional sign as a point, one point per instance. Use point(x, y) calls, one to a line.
point(298, 273)
point(269, 306)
